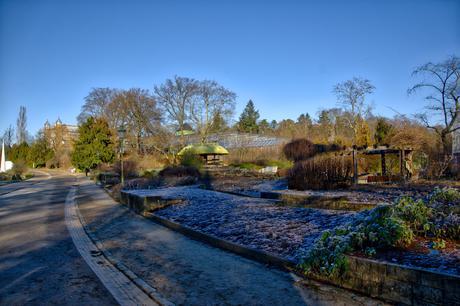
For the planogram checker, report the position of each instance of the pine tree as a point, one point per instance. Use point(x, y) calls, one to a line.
point(382, 130)
point(94, 145)
point(248, 119)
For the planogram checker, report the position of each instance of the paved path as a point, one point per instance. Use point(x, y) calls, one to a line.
point(39, 264)
point(187, 272)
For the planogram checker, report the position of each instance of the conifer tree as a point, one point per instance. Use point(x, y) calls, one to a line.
point(94, 145)
point(248, 119)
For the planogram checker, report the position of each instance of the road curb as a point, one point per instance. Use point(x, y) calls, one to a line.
point(138, 281)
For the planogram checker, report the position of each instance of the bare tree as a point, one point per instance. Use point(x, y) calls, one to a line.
point(351, 95)
point(142, 115)
point(212, 100)
point(175, 97)
point(443, 100)
point(8, 136)
point(21, 126)
point(100, 103)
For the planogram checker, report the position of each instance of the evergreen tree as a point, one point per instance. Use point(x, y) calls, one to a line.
point(248, 119)
point(264, 126)
point(382, 130)
point(94, 145)
point(19, 153)
point(40, 152)
point(305, 120)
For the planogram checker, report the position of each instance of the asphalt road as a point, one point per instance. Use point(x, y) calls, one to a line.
point(39, 264)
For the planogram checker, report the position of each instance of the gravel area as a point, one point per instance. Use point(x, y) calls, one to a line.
point(258, 223)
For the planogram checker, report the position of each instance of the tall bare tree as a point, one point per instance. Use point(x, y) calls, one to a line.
point(442, 80)
point(351, 95)
point(175, 97)
point(142, 115)
point(21, 125)
point(212, 100)
point(8, 136)
point(102, 103)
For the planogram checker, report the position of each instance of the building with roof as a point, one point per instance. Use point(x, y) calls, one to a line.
point(60, 134)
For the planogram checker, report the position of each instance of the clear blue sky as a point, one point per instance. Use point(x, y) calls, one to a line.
point(285, 55)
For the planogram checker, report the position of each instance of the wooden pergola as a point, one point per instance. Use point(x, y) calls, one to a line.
point(383, 152)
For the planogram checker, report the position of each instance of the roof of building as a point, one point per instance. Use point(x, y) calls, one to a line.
point(204, 149)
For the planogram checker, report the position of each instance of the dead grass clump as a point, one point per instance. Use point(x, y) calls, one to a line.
point(180, 171)
point(321, 172)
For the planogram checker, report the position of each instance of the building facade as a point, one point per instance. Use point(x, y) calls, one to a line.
point(59, 135)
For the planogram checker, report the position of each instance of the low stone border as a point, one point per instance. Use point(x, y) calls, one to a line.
point(151, 292)
point(314, 201)
point(387, 281)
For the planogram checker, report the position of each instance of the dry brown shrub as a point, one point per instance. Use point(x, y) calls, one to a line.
point(299, 149)
point(251, 155)
point(321, 172)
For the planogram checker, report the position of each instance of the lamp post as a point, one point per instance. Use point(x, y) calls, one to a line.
point(121, 136)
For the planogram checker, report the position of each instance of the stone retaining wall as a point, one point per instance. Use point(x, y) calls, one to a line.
point(390, 282)
point(314, 201)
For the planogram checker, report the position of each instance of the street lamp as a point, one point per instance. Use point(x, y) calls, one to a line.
point(121, 136)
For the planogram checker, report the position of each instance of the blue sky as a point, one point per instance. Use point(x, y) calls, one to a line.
point(284, 55)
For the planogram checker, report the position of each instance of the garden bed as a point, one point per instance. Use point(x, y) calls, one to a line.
point(257, 223)
point(285, 231)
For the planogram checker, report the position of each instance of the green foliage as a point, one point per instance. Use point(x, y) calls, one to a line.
point(439, 244)
point(191, 160)
point(445, 205)
point(94, 145)
point(19, 153)
point(415, 213)
point(445, 195)
point(370, 231)
point(40, 152)
point(248, 119)
point(385, 227)
point(382, 131)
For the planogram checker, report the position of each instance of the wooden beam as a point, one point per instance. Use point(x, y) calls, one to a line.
point(355, 167)
point(384, 167)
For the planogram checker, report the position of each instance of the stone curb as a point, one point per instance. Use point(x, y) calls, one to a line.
point(386, 281)
point(139, 282)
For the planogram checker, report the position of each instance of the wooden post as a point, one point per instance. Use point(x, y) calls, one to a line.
point(403, 168)
point(384, 168)
point(355, 167)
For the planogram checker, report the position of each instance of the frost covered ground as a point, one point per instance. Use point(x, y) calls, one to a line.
point(258, 223)
point(288, 232)
point(252, 186)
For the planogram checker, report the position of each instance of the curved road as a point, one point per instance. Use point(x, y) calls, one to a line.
point(39, 263)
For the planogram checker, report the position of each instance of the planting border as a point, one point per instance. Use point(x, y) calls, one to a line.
point(387, 281)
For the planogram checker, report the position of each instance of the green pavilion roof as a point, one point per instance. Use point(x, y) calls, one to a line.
point(184, 133)
point(204, 149)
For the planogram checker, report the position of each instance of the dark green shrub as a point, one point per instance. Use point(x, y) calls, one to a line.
point(371, 230)
point(416, 213)
point(322, 172)
point(189, 159)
